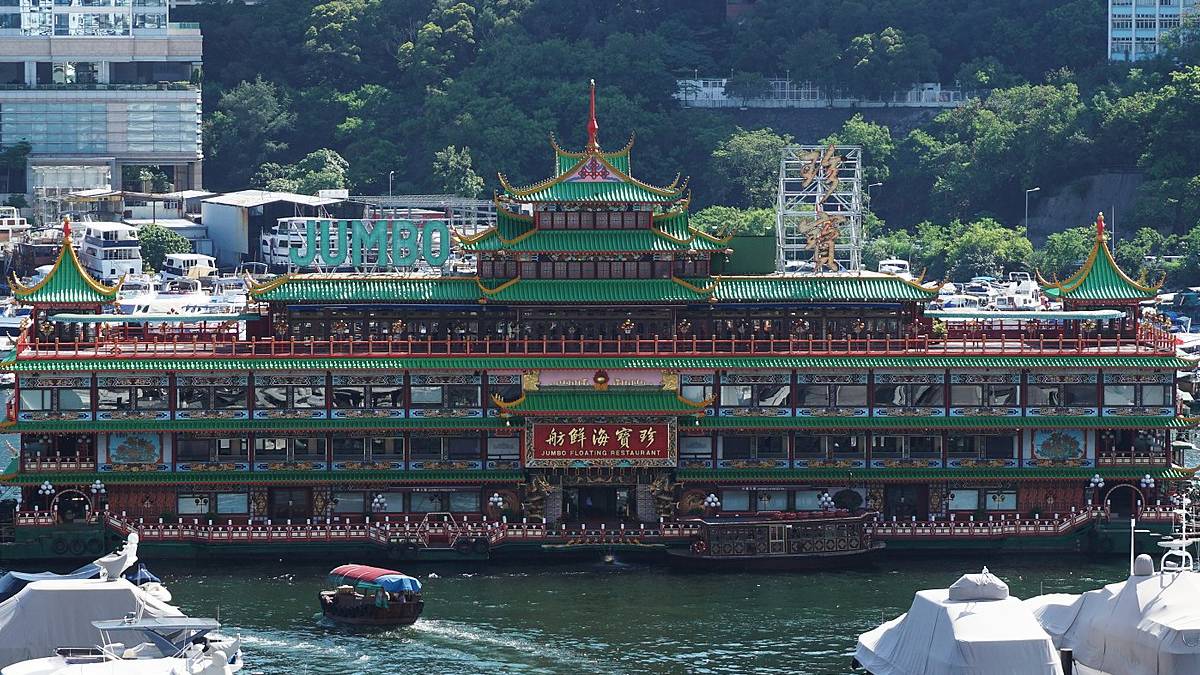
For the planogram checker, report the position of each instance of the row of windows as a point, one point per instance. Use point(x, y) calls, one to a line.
point(269, 397)
point(775, 446)
point(421, 448)
point(593, 269)
point(759, 499)
point(343, 503)
point(469, 396)
point(933, 395)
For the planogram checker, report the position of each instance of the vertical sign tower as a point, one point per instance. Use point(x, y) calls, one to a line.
point(818, 224)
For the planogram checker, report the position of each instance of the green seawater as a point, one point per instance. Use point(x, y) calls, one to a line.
point(594, 617)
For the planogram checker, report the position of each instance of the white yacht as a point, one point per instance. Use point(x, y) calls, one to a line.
point(12, 225)
point(110, 251)
point(160, 646)
point(974, 626)
point(897, 267)
point(177, 296)
point(32, 603)
point(188, 266)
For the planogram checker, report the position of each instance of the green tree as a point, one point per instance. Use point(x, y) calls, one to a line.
point(986, 247)
point(442, 47)
point(816, 57)
point(876, 142)
point(453, 167)
point(745, 86)
point(748, 164)
point(246, 131)
point(985, 73)
point(1063, 252)
point(321, 169)
point(725, 220)
point(158, 242)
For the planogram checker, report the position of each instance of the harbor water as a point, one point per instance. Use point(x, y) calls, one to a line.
point(594, 618)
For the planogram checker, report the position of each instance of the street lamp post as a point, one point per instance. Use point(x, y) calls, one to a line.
point(869, 193)
point(392, 174)
point(1036, 189)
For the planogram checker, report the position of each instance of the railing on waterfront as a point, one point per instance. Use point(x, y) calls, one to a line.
point(972, 529)
point(401, 530)
point(1146, 341)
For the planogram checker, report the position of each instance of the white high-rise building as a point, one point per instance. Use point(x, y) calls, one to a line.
point(94, 86)
point(1136, 27)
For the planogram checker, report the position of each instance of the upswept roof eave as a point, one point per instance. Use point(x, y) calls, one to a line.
point(78, 274)
point(675, 191)
point(1101, 255)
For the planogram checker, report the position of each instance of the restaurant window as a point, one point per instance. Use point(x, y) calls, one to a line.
point(1062, 394)
point(387, 447)
point(504, 448)
point(114, 398)
point(1157, 395)
point(754, 395)
point(889, 446)
point(808, 445)
point(770, 500)
point(209, 449)
point(464, 502)
point(1000, 500)
point(813, 395)
point(983, 395)
point(695, 447)
point(193, 504)
point(1120, 394)
point(849, 394)
point(349, 397)
point(754, 447)
point(429, 502)
point(962, 500)
point(983, 446)
point(37, 399)
point(150, 398)
point(462, 447)
point(735, 500)
point(807, 500)
point(908, 395)
point(74, 399)
point(233, 503)
point(423, 448)
point(349, 449)
point(696, 393)
point(449, 396)
point(349, 502)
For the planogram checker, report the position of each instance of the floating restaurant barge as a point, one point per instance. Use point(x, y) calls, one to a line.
point(594, 385)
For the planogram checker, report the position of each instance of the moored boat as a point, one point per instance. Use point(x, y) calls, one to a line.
point(372, 596)
point(785, 542)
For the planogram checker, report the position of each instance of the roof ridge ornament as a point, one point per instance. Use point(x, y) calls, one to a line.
point(593, 126)
point(1100, 225)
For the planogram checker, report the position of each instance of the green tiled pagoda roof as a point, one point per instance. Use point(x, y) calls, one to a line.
point(302, 424)
point(579, 401)
point(66, 284)
point(1100, 278)
point(304, 477)
point(565, 160)
point(595, 363)
point(935, 474)
point(923, 422)
point(368, 288)
point(593, 176)
point(398, 288)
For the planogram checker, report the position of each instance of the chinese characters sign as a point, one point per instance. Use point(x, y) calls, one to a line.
point(600, 445)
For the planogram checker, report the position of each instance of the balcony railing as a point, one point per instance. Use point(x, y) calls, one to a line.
point(1147, 341)
point(57, 464)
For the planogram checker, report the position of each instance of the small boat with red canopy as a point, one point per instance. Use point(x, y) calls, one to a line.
point(372, 596)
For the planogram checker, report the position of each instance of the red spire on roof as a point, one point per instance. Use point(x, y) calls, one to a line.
point(66, 227)
point(593, 126)
point(1100, 225)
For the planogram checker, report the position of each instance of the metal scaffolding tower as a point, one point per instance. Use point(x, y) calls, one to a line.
point(818, 224)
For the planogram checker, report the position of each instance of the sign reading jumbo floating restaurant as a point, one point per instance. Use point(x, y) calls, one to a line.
point(394, 243)
point(594, 370)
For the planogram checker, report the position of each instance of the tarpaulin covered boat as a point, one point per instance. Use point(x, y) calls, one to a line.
point(372, 596)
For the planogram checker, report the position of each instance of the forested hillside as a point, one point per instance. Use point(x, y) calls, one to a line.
point(302, 94)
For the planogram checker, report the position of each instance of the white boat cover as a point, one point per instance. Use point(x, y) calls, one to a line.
point(46, 615)
point(980, 631)
point(1146, 625)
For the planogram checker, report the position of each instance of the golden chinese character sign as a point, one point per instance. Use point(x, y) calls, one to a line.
point(567, 445)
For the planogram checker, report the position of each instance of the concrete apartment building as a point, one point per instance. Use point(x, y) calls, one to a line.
point(96, 85)
point(1136, 27)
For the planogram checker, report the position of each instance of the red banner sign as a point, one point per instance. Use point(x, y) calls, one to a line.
point(648, 444)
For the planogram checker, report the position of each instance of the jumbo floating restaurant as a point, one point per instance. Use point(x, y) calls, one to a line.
point(595, 384)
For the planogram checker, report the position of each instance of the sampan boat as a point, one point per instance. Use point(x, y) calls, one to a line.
point(372, 596)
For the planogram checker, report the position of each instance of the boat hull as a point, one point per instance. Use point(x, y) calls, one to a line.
point(366, 613)
point(685, 559)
